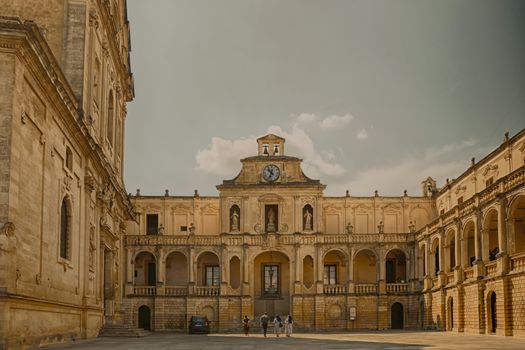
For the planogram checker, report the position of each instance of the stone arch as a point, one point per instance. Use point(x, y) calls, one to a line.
point(450, 250)
point(335, 264)
point(144, 317)
point(145, 264)
point(397, 315)
point(308, 271)
point(272, 282)
point(176, 269)
point(208, 269)
point(492, 316)
point(396, 266)
point(450, 313)
point(516, 217)
point(365, 266)
point(435, 256)
point(468, 246)
point(490, 246)
point(235, 272)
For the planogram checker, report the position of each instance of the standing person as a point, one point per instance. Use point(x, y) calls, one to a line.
point(277, 325)
point(246, 325)
point(264, 323)
point(288, 325)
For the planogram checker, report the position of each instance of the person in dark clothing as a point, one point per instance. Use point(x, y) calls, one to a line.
point(246, 325)
point(264, 323)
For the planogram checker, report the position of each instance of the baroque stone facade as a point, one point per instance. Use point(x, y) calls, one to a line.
point(64, 83)
point(271, 241)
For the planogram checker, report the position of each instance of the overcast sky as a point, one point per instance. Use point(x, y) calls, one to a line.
point(371, 94)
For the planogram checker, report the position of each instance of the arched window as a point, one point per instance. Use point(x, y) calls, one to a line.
point(308, 218)
point(111, 117)
point(65, 227)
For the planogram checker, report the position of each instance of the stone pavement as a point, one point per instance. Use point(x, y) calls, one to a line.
point(364, 340)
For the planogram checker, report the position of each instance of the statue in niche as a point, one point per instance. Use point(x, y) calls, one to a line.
point(271, 221)
point(307, 220)
point(8, 240)
point(412, 227)
point(381, 227)
point(235, 220)
point(349, 228)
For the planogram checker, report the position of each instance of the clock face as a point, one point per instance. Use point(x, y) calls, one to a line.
point(271, 173)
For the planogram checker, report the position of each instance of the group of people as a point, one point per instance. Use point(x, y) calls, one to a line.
point(279, 325)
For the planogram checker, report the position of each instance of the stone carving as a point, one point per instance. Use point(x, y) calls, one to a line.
point(412, 227)
point(235, 220)
point(307, 220)
point(349, 228)
point(8, 241)
point(92, 248)
point(381, 227)
point(271, 221)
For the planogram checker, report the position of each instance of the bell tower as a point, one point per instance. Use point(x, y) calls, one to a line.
point(271, 145)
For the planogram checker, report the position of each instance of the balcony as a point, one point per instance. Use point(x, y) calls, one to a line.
point(517, 262)
point(366, 288)
point(176, 291)
point(207, 291)
point(333, 289)
point(491, 268)
point(469, 273)
point(145, 290)
point(394, 288)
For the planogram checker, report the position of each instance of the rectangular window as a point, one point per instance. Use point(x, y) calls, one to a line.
point(211, 277)
point(183, 228)
point(330, 274)
point(489, 182)
point(152, 224)
point(271, 281)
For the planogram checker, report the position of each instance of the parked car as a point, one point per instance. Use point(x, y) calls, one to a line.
point(199, 324)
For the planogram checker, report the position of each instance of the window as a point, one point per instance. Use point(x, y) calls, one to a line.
point(65, 226)
point(275, 150)
point(111, 117)
point(460, 200)
point(489, 182)
point(69, 158)
point(211, 276)
point(330, 274)
point(271, 281)
point(265, 150)
point(152, 224)
point(184, 228)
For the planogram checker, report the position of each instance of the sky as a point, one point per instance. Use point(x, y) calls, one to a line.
point(372, 95)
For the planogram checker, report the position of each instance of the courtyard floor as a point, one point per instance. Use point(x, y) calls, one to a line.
point(366, 340)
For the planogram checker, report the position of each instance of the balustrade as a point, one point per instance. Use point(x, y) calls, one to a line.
point(365, 288)
point(176, 290)
point(517, 262)
point(207, 291)
point(491, 268)
point(397, 287)
point(334, 289)
point(145, 290)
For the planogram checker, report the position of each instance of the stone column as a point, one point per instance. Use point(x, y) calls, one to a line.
point(191, 269)
point(502, 227)
point(478, 264)
point(245, 290)
point(319, 270)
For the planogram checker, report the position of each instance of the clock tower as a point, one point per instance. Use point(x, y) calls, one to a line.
point(271, 194)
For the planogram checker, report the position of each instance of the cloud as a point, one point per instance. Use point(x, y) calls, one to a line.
point(335, 121)
point(391, 179)
point(329, 122)
point(221, 156)
point(362, 134)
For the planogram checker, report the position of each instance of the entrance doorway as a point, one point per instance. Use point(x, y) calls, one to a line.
point(450, 314)
point(493, 320)
point(396, 316)
point(145, 318)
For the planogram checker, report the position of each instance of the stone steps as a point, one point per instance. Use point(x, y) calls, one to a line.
point(118, 330)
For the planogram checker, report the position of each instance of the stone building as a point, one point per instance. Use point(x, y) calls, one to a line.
point(453, 258)
point(65, 81)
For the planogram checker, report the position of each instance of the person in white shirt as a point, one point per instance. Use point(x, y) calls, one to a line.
point(277, 324)
point(288, 322)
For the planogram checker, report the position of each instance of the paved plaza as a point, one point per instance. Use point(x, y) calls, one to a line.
point(366, 340)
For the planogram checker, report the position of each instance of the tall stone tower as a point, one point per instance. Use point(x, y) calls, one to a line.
point(65, 83)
